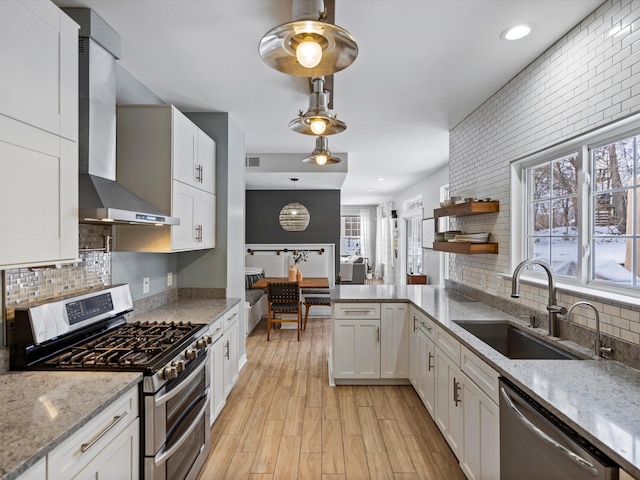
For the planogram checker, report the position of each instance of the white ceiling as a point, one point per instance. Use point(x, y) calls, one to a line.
point(423, 65)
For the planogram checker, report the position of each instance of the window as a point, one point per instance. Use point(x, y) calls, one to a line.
point(350, 235)
point(580, 209)
point(414, 244)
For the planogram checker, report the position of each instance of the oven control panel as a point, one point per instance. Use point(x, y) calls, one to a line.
point(80, 310)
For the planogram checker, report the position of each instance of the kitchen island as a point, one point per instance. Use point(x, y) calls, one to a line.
point(598, 398)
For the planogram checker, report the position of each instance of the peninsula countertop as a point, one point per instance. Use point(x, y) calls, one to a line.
point(598, 398)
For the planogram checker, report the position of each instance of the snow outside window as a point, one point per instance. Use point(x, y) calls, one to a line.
point(580, 210)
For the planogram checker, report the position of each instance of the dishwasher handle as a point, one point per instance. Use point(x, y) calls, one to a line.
point(586, 465)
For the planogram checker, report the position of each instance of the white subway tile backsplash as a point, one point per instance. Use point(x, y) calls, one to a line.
point(589, 78)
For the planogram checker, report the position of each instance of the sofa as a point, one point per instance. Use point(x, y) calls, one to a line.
point(353, 270)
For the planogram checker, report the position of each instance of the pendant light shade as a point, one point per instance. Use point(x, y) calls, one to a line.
point(317, 120)
point(294, 217)
point(308, 46)
point(321, 155)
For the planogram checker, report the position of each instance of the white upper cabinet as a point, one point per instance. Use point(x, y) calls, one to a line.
point(163, 157)
point(39, 79)
point(38, 134)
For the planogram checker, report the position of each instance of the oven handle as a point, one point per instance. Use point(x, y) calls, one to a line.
point(162, 456)
point(184, 382)
point(575, 458)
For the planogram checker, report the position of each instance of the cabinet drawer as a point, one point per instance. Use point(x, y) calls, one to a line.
point(427, 325)
point(230, 317)
point(84, 445)
point(448, 344)
point(356, 310)
point(482, 374)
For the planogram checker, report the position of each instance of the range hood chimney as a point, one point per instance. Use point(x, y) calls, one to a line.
point(102, 200)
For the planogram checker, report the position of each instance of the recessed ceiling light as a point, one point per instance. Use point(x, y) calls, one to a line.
point(369, 189)
point(380, 179)
point(517, 32)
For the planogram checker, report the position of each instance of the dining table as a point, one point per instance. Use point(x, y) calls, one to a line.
point(306, 282)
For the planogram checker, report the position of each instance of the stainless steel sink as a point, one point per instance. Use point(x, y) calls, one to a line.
point(515, 343)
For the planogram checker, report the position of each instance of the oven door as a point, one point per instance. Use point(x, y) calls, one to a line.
point(177, 435)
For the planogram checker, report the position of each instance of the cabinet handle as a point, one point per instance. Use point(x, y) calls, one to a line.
point(429, 366)
point(200, 175)
point(456, 391)
point(357, 311)
point(198, 233)
point(414, 323)
point(86, 446)
point(227, 348)
point(378, 333)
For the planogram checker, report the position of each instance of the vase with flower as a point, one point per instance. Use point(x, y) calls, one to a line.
point(299, 256)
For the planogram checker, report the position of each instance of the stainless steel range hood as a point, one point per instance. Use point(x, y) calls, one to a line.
point(103, 200)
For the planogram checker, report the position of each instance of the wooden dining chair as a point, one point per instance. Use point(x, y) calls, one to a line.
point(283, 298)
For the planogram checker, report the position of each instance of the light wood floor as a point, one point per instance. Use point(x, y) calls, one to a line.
point(283, 421)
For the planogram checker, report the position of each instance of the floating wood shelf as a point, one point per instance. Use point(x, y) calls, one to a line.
point(467, 208)
point(468, 248)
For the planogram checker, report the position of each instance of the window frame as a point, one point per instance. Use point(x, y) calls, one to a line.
point(583, 145)
point(343, 235)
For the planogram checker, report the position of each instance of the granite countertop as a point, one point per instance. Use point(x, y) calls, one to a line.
point(42, 409)
point(194, 310)
point(598, 398)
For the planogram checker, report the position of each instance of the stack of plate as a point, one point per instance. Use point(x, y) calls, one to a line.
point(472, 238)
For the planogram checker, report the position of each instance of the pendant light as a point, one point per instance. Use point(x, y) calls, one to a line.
point(321, 155)
point(308, 46)
point(317, 120)
point(294, 217)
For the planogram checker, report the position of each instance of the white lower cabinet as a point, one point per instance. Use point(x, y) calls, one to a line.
point(356, 349)
point(223, 359)
point(394, 340)
point(448, 401)
point(481, 418)
point(108, 446)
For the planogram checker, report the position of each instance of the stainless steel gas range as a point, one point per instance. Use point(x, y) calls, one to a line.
point(91, 332)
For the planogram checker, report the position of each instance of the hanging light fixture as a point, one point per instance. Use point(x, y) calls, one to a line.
point(321, 155)
point(294, 217)
point(317, 120)
point(308, 46)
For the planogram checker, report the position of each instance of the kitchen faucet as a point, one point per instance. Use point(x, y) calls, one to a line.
point(552, 308)
point(599, 349)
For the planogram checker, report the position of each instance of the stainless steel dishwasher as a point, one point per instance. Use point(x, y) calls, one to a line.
point(534, 444)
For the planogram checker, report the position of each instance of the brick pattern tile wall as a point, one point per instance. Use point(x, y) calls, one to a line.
point(588, 79)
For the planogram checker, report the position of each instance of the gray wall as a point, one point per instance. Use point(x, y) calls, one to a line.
point(263, 209)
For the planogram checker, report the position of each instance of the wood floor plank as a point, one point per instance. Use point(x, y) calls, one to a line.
point(242, 410)
point(330, 404)
point(312, 430)
point(410, 396)
point(362, 396)
point(240, 466)
point(255, 382)
point(396, 448)
point(219, 460)
point(315, 384)
point(332, 449)
point(294, 417)
point(379, 466)
point(355, 457)
point(401, 411)
point(373, 441)
point(310, 466)
point(266, 392)
point(279, 403)
point(286, 374)
point(288, 458)
point(267, 453)
point(406, 476)
point(250, 438)
point(299, 385)
point(381, 403)
point(348, 411)
point(422, 459)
